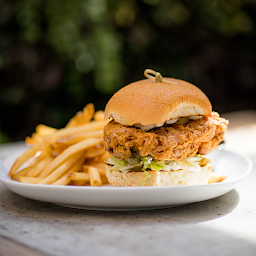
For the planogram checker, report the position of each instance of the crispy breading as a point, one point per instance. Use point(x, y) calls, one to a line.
point(170, 142)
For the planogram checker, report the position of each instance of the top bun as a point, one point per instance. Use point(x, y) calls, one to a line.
point(147, 102)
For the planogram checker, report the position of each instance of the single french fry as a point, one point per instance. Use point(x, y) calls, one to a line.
point(81, 146)
point(34, 139)
point(42, 130)
point(92, 126)
point(22, 172)
point(79, 176)
point(95, 179)
point(31, 180)
point(99, 115)
point(61, 170)
point(65, 179)
point(216, 178)
point(75, 138)
point(82, 117)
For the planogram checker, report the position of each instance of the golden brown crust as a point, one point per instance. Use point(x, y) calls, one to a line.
point(159, 178)
point(147, 102)
point(171, 142)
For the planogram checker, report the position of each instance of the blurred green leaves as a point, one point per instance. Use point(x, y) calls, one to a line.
point(171, 13)
point(84, 31)
point(58, 55)
point(226, 17)
point(77, 30)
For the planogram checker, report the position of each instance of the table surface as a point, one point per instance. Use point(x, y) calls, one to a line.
point(225, 225)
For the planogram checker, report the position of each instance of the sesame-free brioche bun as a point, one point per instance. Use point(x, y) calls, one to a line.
point(147, 102)
point(158, 178)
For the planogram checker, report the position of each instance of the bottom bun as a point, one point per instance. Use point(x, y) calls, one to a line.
point(158, 178)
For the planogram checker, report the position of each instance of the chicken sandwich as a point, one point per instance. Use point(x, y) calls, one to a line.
point(159, 134)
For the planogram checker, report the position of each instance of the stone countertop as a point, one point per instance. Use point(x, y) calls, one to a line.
point(222, 226)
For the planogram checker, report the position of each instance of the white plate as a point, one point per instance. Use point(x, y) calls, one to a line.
point(234, 165)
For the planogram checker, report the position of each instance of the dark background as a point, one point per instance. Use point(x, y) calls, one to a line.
point(56, 56)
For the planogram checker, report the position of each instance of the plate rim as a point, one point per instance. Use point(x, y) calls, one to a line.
point(120, 196)
point(10, 181)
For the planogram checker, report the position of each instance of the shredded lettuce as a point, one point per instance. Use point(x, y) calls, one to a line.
point(118, 162)
point(138, 163)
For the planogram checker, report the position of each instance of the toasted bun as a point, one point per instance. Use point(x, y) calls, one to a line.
point(147, 102)
point(159, 178)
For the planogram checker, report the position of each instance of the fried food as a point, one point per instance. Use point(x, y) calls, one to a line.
point(57, 156)
point(46, 144)
point(31, 180)
point(173, 142)
point(94, 175)
point(161, 129)
point(82, 117)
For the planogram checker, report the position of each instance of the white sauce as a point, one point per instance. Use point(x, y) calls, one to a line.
point(159, 125)
point(172, 121)
point(145, 127)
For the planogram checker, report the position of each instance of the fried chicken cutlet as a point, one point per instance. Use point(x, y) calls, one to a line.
point(170, 142)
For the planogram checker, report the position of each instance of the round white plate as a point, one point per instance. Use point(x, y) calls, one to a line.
point(234, 165)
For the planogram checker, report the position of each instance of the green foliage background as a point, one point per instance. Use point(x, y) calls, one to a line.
point(57, 56)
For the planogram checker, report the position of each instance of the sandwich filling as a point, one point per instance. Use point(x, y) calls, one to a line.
point(181, 120)
point(180, 146)
point(148, 163)
point(175, 142)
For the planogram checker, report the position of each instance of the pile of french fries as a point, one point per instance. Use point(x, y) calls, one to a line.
point(73, 155)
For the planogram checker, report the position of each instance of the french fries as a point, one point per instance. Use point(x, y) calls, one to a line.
point(72, 139)
point(65, 179)
point(79, 176)
point(42, 130)
point(94, 175)
point(22, 173)
point(73, 155)
point(48, 139)
point(82, 117)
point(31, 180)
point(51, 175)
point(99, 115)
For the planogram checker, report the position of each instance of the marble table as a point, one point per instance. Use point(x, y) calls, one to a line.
point(222, 226)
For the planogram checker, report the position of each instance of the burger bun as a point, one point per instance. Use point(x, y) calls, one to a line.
point(147, 102)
